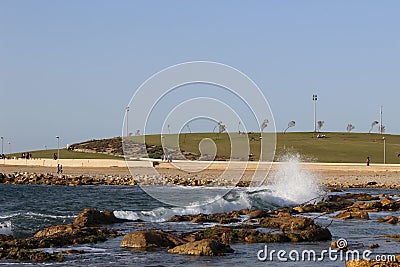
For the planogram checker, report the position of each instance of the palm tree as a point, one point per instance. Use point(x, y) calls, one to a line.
point(290, 124)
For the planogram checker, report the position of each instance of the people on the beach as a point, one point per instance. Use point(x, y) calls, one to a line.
point(55, 156)
point(368, 161)
point(169, 158)
point(59, 169)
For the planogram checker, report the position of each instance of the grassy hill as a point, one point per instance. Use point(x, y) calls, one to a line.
point(336, 147)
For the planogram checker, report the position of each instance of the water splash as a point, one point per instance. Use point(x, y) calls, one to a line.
point(294, 183)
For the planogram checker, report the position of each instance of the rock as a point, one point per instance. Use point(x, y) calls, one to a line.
point(346, 215)
point(150, 238)
point(372, 263)
point(255, 214)
point(205, 247)
point(54, 230)
point(389, 219)
point(91, 217)
point(299, 209)
point(387, 201)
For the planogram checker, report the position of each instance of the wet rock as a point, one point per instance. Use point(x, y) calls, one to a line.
point(389, 219)
point(150, 238)
point(221, 218)
point(286, 222)
point(205, 247)
point(346, 215)
point(55, 230)
point(372, 263)
point(92, 217)
point(255, 214)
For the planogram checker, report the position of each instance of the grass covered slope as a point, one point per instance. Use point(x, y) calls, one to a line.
point(336, 147)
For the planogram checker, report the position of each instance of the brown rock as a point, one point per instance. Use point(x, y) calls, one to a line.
point(372, 263)
point(205, 247)
point(54, 230)
point(257, 214)
point(91, 217)
point(150, 238)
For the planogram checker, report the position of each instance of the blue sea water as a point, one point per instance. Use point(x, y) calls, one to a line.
point(25, 209)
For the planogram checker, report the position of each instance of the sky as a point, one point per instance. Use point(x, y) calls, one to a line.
point(69, 68)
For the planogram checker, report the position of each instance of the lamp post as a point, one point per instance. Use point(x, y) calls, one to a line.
point(9, 149)
point(315, 98)
point(126, 117)
point(384, 150)
point(2, 145)
point(58, 147)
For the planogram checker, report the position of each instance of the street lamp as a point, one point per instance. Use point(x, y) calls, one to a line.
point(384, 150)
point(315, 98)
point(9, 149)
point(126, 117)
point(58, 147)
point(2, 145)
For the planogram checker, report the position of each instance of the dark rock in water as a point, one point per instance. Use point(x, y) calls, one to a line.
point(205, 247)
point(373, 263)
point(372, 183)
point(389, 219)
point(6, 237)
point(91, 217)
point(255, 214)
point(221, 218)
point(59, 236)
point(150, 238)
point(345, 215)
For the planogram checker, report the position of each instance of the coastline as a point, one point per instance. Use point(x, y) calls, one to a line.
point(328, 174)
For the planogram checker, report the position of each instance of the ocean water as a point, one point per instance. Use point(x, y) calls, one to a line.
point(25, 209)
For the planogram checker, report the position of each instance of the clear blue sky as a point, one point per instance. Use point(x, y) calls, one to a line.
point(69, 68)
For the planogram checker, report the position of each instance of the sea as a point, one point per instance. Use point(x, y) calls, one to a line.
point(25, 209)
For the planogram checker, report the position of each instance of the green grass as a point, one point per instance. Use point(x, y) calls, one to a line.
point(337, 147)
point(66, 154)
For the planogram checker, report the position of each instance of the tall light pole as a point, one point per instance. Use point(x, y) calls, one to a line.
point(381, 127)
point(384, 150)
point(9, 148)
point(126, 117)
point(2, 145)
point(58, 147)
point(315, 98)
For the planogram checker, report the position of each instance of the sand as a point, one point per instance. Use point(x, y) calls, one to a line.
point(332, 174)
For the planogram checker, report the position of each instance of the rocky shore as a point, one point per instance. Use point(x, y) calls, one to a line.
point(245, 226)
point(74, 180)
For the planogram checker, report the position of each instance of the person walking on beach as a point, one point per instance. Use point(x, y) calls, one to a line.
point(368, 161)
point(58, 168)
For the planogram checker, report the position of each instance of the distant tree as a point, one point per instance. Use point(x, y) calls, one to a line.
point(320, 125)
point(264, 125)
point(137, 132)
point(290, 124)
point(350, 127)
point(373, 124)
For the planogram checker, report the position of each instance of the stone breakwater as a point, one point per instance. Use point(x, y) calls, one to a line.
point(75, 180)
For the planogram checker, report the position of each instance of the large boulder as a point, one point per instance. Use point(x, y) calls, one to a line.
point(55, 230)
point(92, 218)
point(346, 215)
point(373, 263)
point(150, 238)
point(205, 247)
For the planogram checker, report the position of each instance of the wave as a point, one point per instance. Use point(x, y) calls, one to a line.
point(290, 185)
point(5, 227)
point(34, 214)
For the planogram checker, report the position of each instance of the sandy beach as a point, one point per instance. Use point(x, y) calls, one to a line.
point(332, 174)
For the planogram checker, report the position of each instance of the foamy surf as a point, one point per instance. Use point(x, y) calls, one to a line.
point(290, 185)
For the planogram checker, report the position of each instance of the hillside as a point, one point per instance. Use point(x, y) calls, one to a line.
point(336, 147)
